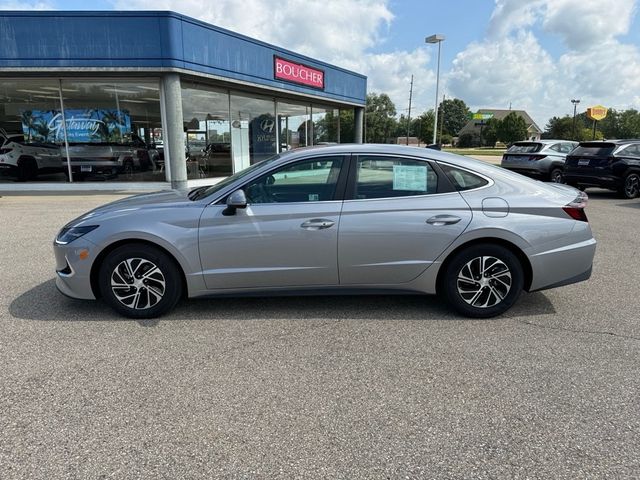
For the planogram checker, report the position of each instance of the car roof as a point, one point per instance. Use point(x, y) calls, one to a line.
point(616, 141)
point(545, 141)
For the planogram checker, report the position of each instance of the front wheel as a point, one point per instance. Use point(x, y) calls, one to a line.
point(140, 281)
point(630, 186)
point(483, 281)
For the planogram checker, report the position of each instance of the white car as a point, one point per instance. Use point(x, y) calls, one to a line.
point(27, 160)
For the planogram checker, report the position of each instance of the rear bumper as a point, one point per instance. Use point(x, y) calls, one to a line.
point(562, 266)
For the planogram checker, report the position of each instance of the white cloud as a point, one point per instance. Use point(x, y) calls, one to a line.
point(510, 65)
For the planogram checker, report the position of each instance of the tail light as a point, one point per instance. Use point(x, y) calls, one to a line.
point(533, 158)
point(575, 209)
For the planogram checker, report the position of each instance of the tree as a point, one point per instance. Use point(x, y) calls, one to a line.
point(629, 124)
point(347, 126)
point(454, 114)
point(512, 129)
point(560, 128)
point(379, 118)
point(490, 132)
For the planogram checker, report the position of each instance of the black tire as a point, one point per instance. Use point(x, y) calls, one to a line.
point(630, 186)
point(27, 169)
point(556, 175)
point(149, 299)
point(467, 297)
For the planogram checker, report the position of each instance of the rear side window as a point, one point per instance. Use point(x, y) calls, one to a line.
point(631, 150)
point(388, 177)
point(525, 147)
point(462, 179)
point(594, 149)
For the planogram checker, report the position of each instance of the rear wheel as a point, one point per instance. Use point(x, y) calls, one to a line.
point(140, 281)
point(483, 281)
point(556, 175)
point(630, 186)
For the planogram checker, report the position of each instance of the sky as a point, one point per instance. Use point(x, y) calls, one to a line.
point(533, 55)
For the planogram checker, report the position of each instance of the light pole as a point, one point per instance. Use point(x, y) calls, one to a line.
point(437, 38)
point(575, 107)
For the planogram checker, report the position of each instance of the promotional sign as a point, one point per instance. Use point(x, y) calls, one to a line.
point(82, 125)
point(262, 131)
point(297, 73)
point(597, 113)
point(481, 116)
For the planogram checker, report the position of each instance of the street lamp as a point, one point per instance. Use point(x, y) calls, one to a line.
point(437, 38)
point(575, 106)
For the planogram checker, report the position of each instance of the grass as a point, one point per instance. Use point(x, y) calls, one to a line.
point(476, 151)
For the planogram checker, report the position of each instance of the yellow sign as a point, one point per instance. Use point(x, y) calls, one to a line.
point(597, 113)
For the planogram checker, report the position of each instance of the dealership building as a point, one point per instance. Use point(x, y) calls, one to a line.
point(157, 97)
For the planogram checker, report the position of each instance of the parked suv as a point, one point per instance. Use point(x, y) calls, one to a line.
point(26, 160)
point(110, 159)
point(543, 159)
point(613, 164)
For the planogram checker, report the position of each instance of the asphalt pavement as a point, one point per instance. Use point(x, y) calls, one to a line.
point(324, 387)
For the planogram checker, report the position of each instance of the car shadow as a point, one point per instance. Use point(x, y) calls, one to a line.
point(45, 303)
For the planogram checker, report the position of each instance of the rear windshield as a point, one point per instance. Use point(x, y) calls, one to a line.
point(594, 149)
point(523, 147)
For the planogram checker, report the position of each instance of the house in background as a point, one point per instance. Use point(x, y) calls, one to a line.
point(474, 126)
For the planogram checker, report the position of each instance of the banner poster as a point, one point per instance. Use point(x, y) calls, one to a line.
point(83, 125)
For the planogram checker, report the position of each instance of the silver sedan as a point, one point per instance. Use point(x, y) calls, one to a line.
point(334, 219)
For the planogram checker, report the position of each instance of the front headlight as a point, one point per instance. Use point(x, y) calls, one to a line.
point(69, 234)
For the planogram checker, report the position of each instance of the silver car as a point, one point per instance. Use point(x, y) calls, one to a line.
point(542, 159)
point(334, 219)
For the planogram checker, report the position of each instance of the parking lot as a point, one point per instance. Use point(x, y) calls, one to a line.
point(324, 387)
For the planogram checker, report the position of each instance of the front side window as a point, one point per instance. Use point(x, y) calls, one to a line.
point(312, 180)
point(388, 177)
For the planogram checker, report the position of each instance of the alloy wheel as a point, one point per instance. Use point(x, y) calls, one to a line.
point(632, 186)
point(138, 283)
point(484, 282)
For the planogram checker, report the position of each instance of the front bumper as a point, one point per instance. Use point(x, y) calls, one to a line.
point(73, 268)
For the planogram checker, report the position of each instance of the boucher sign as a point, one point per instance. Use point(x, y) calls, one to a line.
point(297, 73)
point(597, 113)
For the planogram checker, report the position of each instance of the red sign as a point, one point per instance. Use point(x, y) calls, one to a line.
point(298, 73)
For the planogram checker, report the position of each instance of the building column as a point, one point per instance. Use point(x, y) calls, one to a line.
point(359, 119)
point(174, 131)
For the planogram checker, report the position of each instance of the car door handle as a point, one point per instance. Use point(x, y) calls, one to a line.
point(317, 224)
point(440, 220)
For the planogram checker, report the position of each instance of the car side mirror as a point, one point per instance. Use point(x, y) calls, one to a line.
point(236, 200)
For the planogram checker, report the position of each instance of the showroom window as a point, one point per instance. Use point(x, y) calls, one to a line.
point(114, 130)
point(326, 125)
point(312, 180)
point(387, 177)
point(253, 129)
point(294, 125)
point(31, 136)
point(207, 131)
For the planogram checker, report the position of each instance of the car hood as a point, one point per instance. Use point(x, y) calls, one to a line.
point(155, 200)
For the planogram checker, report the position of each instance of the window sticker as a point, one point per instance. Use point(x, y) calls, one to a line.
point(410, 178)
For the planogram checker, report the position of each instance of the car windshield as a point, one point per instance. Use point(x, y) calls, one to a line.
point(594, 149)
point(525, 148)
point(207, 190)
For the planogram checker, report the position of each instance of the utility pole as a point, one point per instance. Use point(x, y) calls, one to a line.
point(442, 117)
point(575, 106)
point(409, 114)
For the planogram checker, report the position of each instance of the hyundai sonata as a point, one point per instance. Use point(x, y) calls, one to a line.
point(334, 219)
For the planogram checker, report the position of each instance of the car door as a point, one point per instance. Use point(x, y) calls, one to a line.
point(286, 237)
point(396, 220)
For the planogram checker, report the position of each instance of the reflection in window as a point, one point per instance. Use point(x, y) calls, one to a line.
point(326, 125)
point(114, 130)
point(30, 131)
point(307, 181)
point(294, 124)
point(207, 131)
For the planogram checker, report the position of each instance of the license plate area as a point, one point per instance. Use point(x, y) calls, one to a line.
point(583, 162)
point(85, 168)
